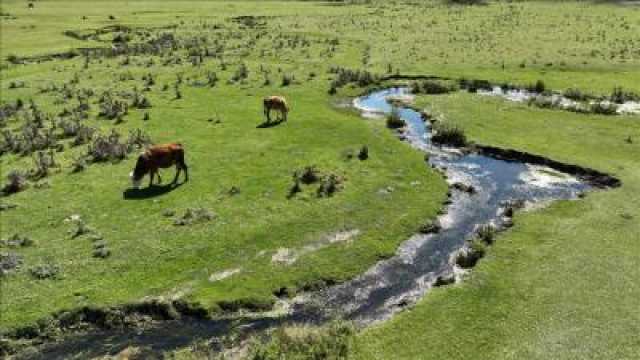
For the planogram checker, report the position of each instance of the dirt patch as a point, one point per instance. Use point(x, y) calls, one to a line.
point(286, 256)
point(221, 275)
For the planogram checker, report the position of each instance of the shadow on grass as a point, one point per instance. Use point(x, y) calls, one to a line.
point(149, 192)
point(269, 124)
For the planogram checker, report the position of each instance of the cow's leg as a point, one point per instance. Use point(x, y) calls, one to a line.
point(151, 175)
point(268, 112)
point(159, 178)
point(178, 170)
point(180, 166)
point(284, 114)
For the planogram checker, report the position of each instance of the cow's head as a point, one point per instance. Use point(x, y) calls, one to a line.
point(139, 171)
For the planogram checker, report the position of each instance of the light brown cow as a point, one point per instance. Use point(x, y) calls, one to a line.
point(156, 157)
point(277, 103)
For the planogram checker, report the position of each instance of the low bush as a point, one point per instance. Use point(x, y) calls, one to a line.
point(394, 121)
point(432, 87)
point(84, 134)
point(444, 134)
point(474, 85)
point(329, 185)
point(539, 87)
point(47, 270)
point(111, 108)
point(43, 163)
point(107, 148)
point(241, 73)
point(486, 234)
point(17, 241)
point(287, 80)
point(9, 261)
point(620, 96)
point(140, 101)
point(332, 341)
point(308, 175)
point(363, 154)
point(470, 256)
point(16, 182)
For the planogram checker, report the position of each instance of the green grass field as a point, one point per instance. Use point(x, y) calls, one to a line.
point(561, 284)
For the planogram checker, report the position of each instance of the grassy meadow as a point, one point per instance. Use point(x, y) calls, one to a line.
point(560, 284)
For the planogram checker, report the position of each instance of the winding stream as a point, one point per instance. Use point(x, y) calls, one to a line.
point(389, 285)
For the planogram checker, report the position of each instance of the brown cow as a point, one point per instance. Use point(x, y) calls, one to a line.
point(156, 157)
point(278, 103)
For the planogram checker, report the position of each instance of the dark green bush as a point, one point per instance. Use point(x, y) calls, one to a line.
point(444, 134)
point(394, 121)
point(306, 342)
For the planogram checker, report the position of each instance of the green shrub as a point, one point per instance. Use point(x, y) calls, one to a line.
point(394, 121)
point(469, 257)
point(444, 134)
point(432, 87)
point(305, 342)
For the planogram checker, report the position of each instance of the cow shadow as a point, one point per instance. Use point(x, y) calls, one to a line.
point(150, 191)
point(269, 124)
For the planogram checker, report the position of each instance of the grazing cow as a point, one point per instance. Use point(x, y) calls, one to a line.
point(156, 157)
point(277, 103)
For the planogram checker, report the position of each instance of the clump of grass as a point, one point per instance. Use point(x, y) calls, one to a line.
point(474, 85)
point(17, 241)
point(620, 96)
point(486, 233)
point(140, 101)
point(101, 250)
point(16, 182)
point(193, 216)
point(111, 108)
point(444, 134)
point(329, 185)
point(394, 121)
point(84, 135)
point(43, 163)
point(241, 73)
point(295, 188)
point(363, 154)
point(432, 87)
point(332, 341)
point(46, 270)
point(345, 76)
point(107, 148)
point(287, 80)
point(308, 175)
point(431, 227)
point(9, 261)
point(539, 87)
point(81, 227)
point(469, 257)
point(212, 78)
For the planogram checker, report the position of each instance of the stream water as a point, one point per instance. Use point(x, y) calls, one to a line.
point(389, 285)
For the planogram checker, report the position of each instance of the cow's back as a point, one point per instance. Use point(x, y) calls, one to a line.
point(165, 155)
